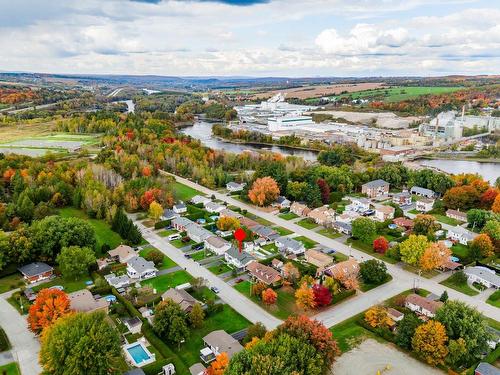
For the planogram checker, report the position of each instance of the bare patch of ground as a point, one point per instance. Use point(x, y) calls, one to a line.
point(321, 90)
point(371, 356)
point(382, 119)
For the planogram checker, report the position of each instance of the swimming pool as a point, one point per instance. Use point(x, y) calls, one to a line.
point(138, 354)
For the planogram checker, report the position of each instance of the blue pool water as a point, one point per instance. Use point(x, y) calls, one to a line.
point(138, 353)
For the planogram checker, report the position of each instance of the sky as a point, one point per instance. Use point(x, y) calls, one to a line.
point(260, 38)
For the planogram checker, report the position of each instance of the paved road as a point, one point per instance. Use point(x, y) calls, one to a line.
point(402, 279)
point(231, 296)
point(25, 346)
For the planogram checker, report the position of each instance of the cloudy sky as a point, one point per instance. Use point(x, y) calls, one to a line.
point(251, 37)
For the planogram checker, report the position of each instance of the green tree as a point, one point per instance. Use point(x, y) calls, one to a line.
point(406, 330)
point(4, 248)
point(457, 351)
point(477, 218)
point(411, 250)
point(425, 225)
point(25, 207)
point(444, 296)
point(297, 191)
point(255, 330)
point(463, 321)
point(492, 229)
point(196, 316)
point(373, 271)
point(74, 261)
point(81, 344)
point(364, 229)
point(170, 322)
point(21, 245)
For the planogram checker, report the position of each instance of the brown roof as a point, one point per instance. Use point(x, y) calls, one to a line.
point(217, 242)
point(394, 313)
point(249, 223)
point(385, 209)
point(123, 252)
point(347, 267)
point(84, 301)
point(457, 213)
point(266, 274)
point(318, 258)
point(185, 300)
point(403, 222)
point(277, 263)
point(424, 303)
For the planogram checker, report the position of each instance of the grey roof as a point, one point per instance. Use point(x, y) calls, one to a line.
point(139, 264)
point(169, 214)
point(135, 371)
point(485, 274)
point(281, 199)
point(235, 185)
point(376, 183)
point(243, 257)
point(132, 322)
point(197, 369)
point(180, 205)
point(35, 269)
point(290, 243)
point(223, 341)
point(340, 224)
point(114, 280)
point(214, 206)
point(421, 190)
point(486, 369)
point(198, 231)
point(264, 231)
point(469, 236)
point(182, 221)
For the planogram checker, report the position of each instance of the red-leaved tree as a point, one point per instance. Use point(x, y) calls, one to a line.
point(322, 295)
point(269, 296)
point(380, 245)
point(324, 189)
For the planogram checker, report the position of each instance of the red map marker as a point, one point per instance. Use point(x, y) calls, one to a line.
point(240, 235)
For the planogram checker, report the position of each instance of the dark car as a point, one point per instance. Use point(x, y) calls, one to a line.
point(368, 212)
point(215, 289)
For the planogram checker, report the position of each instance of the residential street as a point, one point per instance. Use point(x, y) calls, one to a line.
point(25, 346)
point(402, 279)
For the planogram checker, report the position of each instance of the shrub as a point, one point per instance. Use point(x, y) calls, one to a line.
point(162, 224)
point(342, 296)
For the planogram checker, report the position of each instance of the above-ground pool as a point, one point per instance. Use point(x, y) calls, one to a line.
point(138, 354)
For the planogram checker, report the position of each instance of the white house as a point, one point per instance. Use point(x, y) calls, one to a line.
point(422, 192)
point(197, 233)
point(236, 259)
point(422, 305)
point(484, 276)
point(383, 213)
point(358, 205)
point(181, 223)
point(179, 208)
point(461, 235)
point(197, 199)
point(402, 199)
point(289, 245)
point(217, 245)
point(282, 202)
point(117, 281)
point(234, 186)
point(140, 269)
point(424, 205)
point(169, 214)
point(214, 207)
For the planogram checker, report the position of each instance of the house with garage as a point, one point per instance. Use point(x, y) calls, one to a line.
point(263, 273)
point(424, 204)
point(217, 245)
point(422, 192)
point(347, 217)
point(344, 270)
point(358, 204)
point(200, 199)
point(181, 223)
point(139, 268)
point(230, 213)
point(197, 233)
point(266, 233)
point(36, 271)
point(383, 212)
point(376, 188)
point(318, 259)
point(341, 227)
point(457, 215)
point(84, 301)
point(214, 207)
point(185, 300)
point(323, 215)
point(237, 259)
point(483, 275)
point(402, 199)
point(289, 245)
point(422, 305)
point(234, 187)
point(121, 254)
point(117, 282)
point(169, 214)
point(282, 202)
point(299, 209)
point(461, 235)
point(218, 342)
point(179, 208)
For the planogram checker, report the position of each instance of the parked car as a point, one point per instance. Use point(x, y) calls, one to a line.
point(173, 237)
point(329, 251)
point(185, 239)
point(215, 289)
point(198, 246)
point(368, 212)
point(187, 256)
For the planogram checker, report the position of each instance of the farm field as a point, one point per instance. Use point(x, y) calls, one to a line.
point(396, 94)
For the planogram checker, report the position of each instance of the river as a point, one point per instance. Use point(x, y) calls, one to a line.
point(489, 171)
point(202, 130)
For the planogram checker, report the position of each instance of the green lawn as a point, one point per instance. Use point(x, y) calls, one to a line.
point(179, 244)
point(308, 243)
point(427, 274)
point(398, 93)
point(183, 192)
point(494, 299)
point(220, 269)
point(171, 280)
point(461, 287)
point(330, 233)
point(307, 223)
point(228, 320)
point(282, 231)
point(284, 307)
point(460, 251)
point(167, 232)
point(167, 262)
point(447, 220)
point(201, 255)
point(348, 333)
point(103, 232)
point(365, 287)
point(367, 248)
point(69, 285)
point(288, 216)
point(270, 247)
point(10, 282)
point(10, 369)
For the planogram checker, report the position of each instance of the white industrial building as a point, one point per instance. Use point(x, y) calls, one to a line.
point(287, 122)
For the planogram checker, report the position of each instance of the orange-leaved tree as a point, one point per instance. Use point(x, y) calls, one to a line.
point(218, 367)
point(50, 305)
point(376, 316)
point(304, 297)
point(269, 296)
point(228, 223)
point(429, 342)
point(264, 191)
point(434, 256)
point(483, 245)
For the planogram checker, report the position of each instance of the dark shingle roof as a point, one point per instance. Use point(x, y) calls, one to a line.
point(34, 269)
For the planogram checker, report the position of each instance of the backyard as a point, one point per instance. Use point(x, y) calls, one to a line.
point(10, 282)
point(171, 280)
point(167, 262)
point(368, 248)
point(308, 243)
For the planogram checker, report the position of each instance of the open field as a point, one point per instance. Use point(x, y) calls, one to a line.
point(381, 119)
point(396, 94)
point(317, 91)
point(183, 192)
point(9, 133)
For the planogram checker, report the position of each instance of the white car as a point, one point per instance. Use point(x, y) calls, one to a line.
point(174, 237)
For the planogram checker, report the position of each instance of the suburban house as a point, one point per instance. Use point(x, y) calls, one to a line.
point(299, 209)
point(197, 199)
point(267, 233)
point(403, 223)
point(197, 233)
point(277, 264)
point(169, 214)
point(179, 208)
point(282, 202)
point(424, 205)
point(181, 223)
point(343, 270)
point(36, 271)
point(323, 215)
point(461, 235)
point(457, 215)
point(185, 300)
point(358, 204)
point(117, 282)
point(140, 268)
point(402, 199)
point(214, 207)
point(342, 227)
point(289, 245)
point(263, 273)
point(395, 314)
point(383, 212)
point(348, 217)
point(422, 192)
point(375, 188)
point(217, 245)
point(319, 259)
point(234, 186)
point(122, 254)
point(422, 305)
point(84, 301)
point(218, 342)
point(230, 213)
point(249, 223)
point(236, 259)
point(484, 276)
point(133, 324)
point(485, 368)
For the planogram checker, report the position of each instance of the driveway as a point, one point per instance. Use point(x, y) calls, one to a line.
point(25, 346)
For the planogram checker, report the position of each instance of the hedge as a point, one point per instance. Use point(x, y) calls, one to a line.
point(342, 296)
point(162, 224)
point(128, 305)
point(4, 341)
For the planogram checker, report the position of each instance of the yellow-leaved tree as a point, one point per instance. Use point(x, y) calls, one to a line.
point(429, 342)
